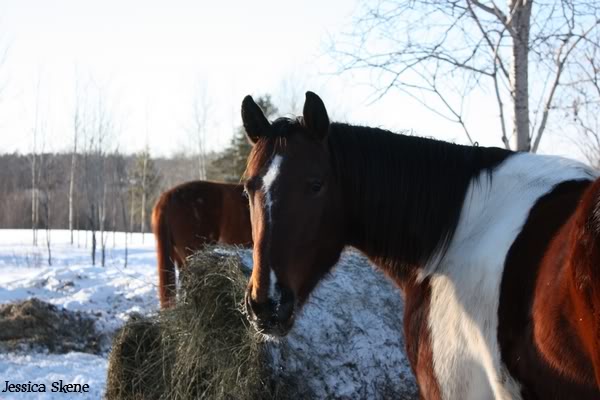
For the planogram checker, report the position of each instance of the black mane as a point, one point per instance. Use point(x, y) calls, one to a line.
point(283, 127)
point(404, 193)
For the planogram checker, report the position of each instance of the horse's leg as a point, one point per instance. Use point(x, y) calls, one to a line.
point(417, 337)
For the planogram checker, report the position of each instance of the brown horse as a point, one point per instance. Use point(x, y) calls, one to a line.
point(191, 215)
point(497, 253)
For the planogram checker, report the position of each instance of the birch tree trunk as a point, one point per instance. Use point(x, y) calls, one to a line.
point(72, 187)
point(102, 218)
point(34, 197)
point(93, 222)
point(76, 127)
point(519, 73)
point(48, 230)
point(144, 188)
point(123, 207)
point(131, 212)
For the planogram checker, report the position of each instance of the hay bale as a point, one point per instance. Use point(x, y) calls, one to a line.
point(36, 325)
point(204, 347)
point(136, 367)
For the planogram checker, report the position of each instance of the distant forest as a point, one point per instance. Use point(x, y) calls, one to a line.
point(117, 178)
point(104, 191)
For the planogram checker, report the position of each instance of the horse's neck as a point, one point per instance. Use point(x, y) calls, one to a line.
point(402, 195)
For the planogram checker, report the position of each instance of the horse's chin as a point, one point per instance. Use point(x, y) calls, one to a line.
point(273, 331)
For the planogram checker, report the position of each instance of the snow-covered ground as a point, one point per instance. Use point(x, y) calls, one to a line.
point(352, 344)
point(109, 293)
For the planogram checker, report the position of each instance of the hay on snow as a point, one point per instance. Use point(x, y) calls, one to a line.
point(347, 343)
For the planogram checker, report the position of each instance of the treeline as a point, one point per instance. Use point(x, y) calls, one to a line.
point(114, 192)
point(103, 191)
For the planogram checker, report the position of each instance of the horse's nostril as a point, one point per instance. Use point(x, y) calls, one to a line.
point(285, 306)
point(285, 310)
point(258, 311)
point(275, 316)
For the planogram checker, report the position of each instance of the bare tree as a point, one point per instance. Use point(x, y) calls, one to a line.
point(440, 51)
point(290, 95)
point(98, 133)
point(123, 201)
point(132, 198)
point(34, 162)
point(201, 108)
point(144, 183)
point(585, 104)
point(77, 127)
point(34, 190)
point(49, 180)
point(119, 197)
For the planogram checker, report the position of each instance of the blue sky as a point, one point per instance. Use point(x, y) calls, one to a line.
point(150, 59)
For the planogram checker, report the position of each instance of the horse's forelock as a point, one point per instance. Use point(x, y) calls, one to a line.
point(263, 151)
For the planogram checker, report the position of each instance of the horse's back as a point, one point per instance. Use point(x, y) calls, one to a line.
point(482, 286)
point(203, 212)
point(194, 212)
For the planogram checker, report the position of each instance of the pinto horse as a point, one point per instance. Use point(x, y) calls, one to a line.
point(190, 216)
point(497, 252)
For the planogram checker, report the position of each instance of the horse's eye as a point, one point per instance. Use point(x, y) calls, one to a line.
point(245, 193)
point(316, 186)
point(250, 186)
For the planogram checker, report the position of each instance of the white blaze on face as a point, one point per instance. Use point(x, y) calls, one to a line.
point(268, 181)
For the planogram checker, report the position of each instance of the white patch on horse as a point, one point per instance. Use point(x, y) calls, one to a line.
point(268, 181)
point(465, 282)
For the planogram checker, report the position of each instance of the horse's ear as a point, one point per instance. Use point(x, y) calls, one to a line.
point(315, 115)
point(255, 122)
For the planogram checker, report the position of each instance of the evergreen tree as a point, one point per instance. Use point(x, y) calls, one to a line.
point(232, 161)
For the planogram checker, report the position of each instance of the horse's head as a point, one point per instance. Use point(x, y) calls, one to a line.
point(296, 213)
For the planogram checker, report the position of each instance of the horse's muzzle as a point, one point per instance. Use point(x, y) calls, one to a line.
point(273, 317)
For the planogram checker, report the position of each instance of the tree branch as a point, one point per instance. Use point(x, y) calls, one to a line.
point(494, 48)
point(560, 67)
point(496, 12)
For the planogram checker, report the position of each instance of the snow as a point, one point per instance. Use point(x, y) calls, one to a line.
point(79, 368)
point(350, 333)
point(351, 330)
point(109, 293)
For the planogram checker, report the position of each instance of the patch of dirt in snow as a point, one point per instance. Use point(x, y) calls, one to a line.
point(36, 325)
